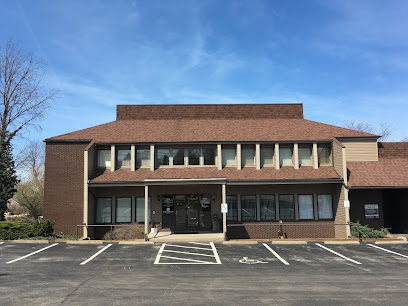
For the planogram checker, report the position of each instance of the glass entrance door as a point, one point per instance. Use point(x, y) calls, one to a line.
point(193, 212)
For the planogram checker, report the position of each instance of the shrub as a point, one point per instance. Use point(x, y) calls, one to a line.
point(367, 232)
point(125, 233)
point(10, 230)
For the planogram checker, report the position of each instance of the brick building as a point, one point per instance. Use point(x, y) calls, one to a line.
point(275, 170)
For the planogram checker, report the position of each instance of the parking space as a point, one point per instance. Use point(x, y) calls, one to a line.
point(263, 272)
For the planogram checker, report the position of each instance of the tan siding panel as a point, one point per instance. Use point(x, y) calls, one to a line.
point(362, 150)
point(337, 158)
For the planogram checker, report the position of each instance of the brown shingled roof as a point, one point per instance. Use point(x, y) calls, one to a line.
point(155, 131)
point(230, 173)
point(385, 172)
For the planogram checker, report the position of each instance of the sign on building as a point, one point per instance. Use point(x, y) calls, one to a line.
point(224, 208)
point(371, 211)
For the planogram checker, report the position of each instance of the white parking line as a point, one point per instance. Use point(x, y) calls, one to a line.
point(389, 251)
point(96, 254)
point(185, 261)
point(338, 254)
point(199, 243)
point(188, 247)
point(28, 255)
point(276, 254)
point(1, 242)
point(217, 258)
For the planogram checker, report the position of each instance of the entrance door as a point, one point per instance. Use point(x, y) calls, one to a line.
point(192, 205)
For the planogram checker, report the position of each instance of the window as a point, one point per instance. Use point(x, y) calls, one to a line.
point(228, 157)
point(140, 209)
point(324, 152)
point(267, 207)
point(103, 210)
point(232, 214)
point(178, 157)
point(267, 156)
point(123, 158)
point(248, 208)
point(209, 156)
point(194, 156)
point(306, 206)
point(104, 158)
point(163, 157)
point(325, 206)
point(285, 156)
point(142, 158)
point(123, 210)
point(286, 207)
point(305, 156)
point(247, 156)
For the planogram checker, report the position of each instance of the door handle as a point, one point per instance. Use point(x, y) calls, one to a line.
point(193, 218)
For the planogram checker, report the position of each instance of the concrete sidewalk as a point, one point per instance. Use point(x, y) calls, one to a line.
point(170, 237)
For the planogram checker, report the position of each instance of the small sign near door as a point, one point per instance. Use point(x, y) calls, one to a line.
point(224, 208)
point(371, 211)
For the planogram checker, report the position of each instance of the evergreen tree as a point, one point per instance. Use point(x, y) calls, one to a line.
point(8, 177)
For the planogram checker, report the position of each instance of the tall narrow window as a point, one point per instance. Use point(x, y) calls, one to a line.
point(267, 156)
point(142, 158)
point(306, 206)
point(209, 156)
point(248, 208)
point(140, 209)
point(178, 157)
point(123, 210)
point(286, 207)
point(267, 207)
point(123, 158)
point(228, 157)
point(232, 214)
point(325, 206)
point(247, 156)
point(324, 152)
point(305, 156)
point(194, 156)
point(285, 156)
point(163, 157)
point(104, 158)
point(103, 210)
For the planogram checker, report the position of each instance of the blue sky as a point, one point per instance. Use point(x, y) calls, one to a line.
point(344, 60)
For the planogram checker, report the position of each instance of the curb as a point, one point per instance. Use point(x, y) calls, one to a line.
point(240, 242)
point(85, 242)
point(135, 242)
point(30, 241)
point(391, 242)
point(341, 242)
point(288, 242)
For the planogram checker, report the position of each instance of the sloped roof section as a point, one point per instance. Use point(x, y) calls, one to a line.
point(187, 130)
point(229, 173)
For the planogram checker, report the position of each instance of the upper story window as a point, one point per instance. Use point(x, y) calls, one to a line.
point(305, 155)
point(285, 156)
point(324, 153)
point(209, 156)
point(178, 156)
point(229, 156)
point(163, 157)
point(104, 158)
point(247, 156)
point(142, 158)
point(194, 156)
point(267, 155)
point(123, 158)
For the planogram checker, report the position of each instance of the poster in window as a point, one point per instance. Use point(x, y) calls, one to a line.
point(371, 211)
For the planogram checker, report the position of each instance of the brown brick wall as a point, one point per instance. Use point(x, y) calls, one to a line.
point(64, 185)
point(210, 111)
point(393, 149)
point(357, 200)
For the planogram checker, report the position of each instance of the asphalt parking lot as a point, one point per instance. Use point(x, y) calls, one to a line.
point(202, 274)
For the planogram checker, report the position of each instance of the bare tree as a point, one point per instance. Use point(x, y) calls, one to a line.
point(24, 99)
point(31, 159)
point(405, 138)
point(385, 130)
